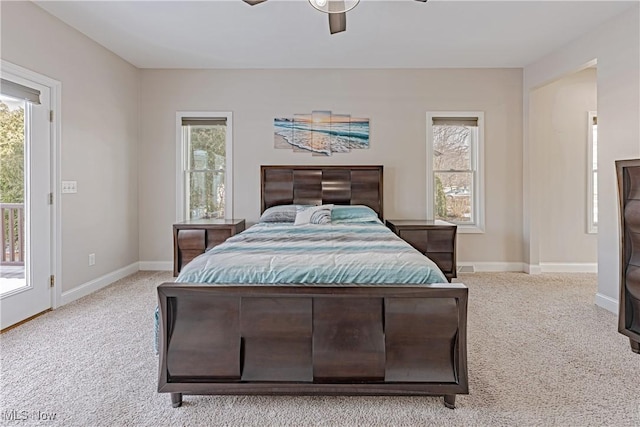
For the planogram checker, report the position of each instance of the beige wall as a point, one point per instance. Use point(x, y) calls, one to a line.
point(559, 126)
point(98, 142)
point(616, 47)
point(395, 101)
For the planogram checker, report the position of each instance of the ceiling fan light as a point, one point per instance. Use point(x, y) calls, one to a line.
point(334, 6)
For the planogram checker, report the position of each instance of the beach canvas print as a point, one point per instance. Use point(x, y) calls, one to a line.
point(321, 133)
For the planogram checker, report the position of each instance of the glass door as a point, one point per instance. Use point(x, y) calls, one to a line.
point(12, 227)
point(25, 210)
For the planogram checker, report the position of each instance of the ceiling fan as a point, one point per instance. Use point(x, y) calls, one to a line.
point(336, 9)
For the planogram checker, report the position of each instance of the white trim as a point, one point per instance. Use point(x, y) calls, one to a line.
point(568, 267)
point(429, 169)
point(477, 157)
point(156, 265)
point(469, 229)
point(97, 284)
point(179, 169)
point(532, 269)
point(56, 174)
point(181, 159)
point(228, 179)
point(607, 303)
point(591, 228)
point(486, 267)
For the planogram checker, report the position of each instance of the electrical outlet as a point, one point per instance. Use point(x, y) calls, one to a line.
point(69, 187)
point(92, 259)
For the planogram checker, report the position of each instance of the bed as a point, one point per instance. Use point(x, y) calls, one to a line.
point(295, 310)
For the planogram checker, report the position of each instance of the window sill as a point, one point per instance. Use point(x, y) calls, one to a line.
point(470, 229)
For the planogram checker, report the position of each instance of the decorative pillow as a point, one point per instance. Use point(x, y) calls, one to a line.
point(280, 213)
point(353, 213)
point(314, 215)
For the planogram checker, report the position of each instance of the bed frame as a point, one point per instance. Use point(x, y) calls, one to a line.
point(314, 340)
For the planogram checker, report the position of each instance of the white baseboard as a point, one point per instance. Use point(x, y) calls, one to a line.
point(156, 265)
point(491, 266)
point(97, 284)
point(532, 269)
point(568, 267)
point(607, 303)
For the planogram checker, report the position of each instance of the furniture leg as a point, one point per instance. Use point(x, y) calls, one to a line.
point(176, 400)
point(635, 346)
point(450, 401)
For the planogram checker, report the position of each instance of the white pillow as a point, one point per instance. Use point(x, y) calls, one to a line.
point(313, 215)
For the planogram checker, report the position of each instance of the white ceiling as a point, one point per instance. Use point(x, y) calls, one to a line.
point(292, 34)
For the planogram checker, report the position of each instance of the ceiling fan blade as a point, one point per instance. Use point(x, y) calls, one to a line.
point(253, 2)
point(337, 22)
point(423, 1)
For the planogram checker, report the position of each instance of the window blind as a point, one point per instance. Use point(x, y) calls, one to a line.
point(18, 91)
point(455, 121)
point(204, 121)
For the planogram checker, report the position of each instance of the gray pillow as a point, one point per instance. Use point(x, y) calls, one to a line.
point(280, 213)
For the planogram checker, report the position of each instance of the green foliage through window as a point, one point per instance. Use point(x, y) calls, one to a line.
point(206, 170)
point(453, 174)
point(11, 154)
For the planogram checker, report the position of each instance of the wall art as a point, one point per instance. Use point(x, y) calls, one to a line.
point(322, 133)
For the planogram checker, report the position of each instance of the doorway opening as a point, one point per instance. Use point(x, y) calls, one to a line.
point(563, 128)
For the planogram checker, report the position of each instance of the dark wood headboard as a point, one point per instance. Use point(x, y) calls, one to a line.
point(316, 185)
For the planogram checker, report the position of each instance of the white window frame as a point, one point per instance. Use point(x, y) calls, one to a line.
point(182, 159)
point(477, 163)
point(592, 227)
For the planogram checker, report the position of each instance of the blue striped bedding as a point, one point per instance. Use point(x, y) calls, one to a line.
point(281, 253)
point(329, 254)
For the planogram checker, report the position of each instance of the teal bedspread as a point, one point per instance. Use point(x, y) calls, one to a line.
point(281, 253)
point(331, 254)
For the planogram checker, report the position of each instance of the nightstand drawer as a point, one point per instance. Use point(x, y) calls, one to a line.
point(416, 238)
point(194, 237)
point(217, 236)
point(440, 240)
point(191, 240)
point(444, 260)
point(190, 245)
point(435, 239)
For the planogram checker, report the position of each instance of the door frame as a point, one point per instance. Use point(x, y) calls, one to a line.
point(55, 87)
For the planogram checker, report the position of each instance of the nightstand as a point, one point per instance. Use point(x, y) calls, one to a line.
point(435, 239)
point(194, 237)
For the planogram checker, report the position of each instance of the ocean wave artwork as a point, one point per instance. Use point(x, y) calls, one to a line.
point(321, 133)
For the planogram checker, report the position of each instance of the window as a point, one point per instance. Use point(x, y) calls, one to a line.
point(455, 169)
point(204, 186)
point(592, 173)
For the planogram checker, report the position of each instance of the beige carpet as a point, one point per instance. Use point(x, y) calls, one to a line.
point(540, 353)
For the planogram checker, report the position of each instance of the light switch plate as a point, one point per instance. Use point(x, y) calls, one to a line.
point(69, 187)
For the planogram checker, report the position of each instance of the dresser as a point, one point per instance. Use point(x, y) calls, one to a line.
point(194, 237)
point(628, 172)
point(434, 238)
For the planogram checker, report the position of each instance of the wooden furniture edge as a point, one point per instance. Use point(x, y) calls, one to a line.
point(457, 291)
point(634, 338)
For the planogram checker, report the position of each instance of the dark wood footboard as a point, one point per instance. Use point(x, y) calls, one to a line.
point(307, 340)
